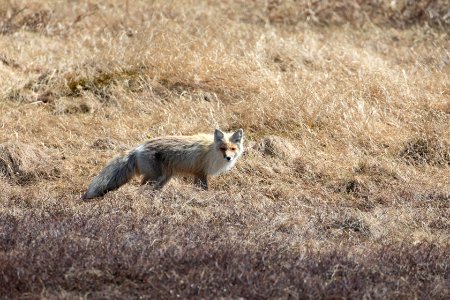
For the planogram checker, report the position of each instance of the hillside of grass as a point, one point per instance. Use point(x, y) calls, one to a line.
point(344, 187)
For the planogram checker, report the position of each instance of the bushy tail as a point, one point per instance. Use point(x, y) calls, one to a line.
point(118, 172)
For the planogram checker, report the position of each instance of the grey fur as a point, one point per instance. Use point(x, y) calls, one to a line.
point(237, 136)
point(118, 172)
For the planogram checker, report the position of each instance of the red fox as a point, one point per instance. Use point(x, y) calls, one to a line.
point(161, 158)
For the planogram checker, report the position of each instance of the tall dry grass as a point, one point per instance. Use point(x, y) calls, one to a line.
point(343, 190)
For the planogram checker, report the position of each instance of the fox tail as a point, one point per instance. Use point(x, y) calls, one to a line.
point(118, 172)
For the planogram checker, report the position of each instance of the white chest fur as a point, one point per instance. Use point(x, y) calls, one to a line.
point(221, 165)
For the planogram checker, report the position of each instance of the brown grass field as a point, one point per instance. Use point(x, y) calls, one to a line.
point(343, 191)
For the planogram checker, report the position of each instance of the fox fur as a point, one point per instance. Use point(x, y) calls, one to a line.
point(161, 158)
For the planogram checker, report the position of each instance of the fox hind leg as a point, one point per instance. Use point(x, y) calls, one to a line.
point(152, 169)
point(158, 182)
point(146, 179)
point(162, 180)
point(201, 181)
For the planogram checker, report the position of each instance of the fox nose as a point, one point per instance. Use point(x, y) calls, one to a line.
point(228, 158)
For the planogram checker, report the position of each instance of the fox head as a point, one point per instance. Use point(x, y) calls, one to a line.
point(229, 145)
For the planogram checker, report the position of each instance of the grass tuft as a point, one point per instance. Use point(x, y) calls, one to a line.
point(426, 151)
point(23, 164)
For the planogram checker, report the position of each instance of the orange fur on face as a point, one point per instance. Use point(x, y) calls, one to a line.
point(228, 149)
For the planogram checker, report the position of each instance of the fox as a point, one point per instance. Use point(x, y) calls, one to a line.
point(159, 159)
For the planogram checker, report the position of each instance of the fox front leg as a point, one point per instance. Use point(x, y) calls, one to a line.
point(201, 181)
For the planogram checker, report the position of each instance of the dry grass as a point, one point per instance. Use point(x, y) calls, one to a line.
point(343, 191)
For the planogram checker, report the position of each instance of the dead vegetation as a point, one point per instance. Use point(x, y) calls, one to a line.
point(22, 164)
point(343, 191)
point(383, 13)
point(425, 150)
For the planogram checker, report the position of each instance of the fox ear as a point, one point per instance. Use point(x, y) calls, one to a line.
point(237, 136)
point(218, 135)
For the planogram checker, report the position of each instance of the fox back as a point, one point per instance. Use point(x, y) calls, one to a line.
point(191, 155)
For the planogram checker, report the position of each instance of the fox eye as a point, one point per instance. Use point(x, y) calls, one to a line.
point(233, 149)
point(223, 149)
